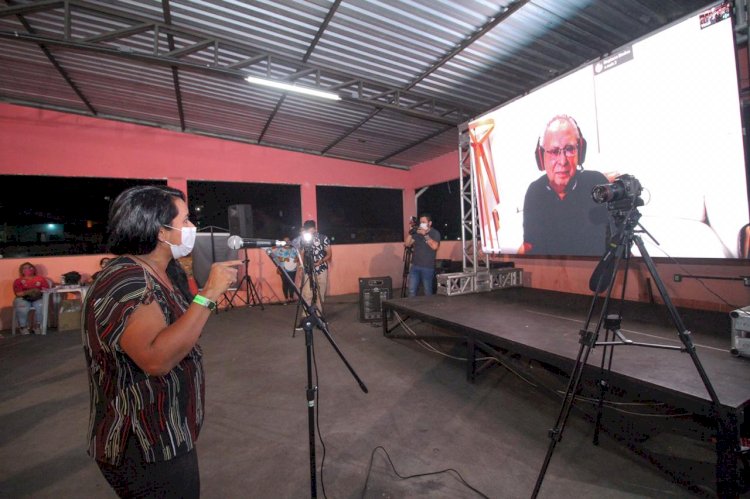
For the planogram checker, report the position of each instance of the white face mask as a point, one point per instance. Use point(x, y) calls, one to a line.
point(187, 242)
point(423, 226)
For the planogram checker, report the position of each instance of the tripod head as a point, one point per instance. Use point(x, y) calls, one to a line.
point(623, 219)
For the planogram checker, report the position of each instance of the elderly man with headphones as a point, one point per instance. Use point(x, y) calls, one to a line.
point(559, 215)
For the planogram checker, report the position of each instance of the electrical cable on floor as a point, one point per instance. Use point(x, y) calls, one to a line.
point(430, 473)
point(613, 406)
point(430, 348)
point(610, 404)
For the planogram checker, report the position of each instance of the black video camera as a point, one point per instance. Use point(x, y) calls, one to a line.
point(413, 225)
point(624, 188)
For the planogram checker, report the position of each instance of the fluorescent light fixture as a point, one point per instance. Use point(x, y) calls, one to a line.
point(292, 88)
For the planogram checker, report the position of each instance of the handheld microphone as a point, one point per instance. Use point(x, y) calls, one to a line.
point(237, 242)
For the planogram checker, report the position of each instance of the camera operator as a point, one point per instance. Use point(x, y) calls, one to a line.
point(425, 242)
point(315, 248)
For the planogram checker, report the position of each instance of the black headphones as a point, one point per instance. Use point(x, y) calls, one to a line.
point(581, 144)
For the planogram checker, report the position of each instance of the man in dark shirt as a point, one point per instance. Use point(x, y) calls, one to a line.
point(425, 242)
point(559, 215)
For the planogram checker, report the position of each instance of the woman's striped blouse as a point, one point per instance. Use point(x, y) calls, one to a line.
point(164, 413)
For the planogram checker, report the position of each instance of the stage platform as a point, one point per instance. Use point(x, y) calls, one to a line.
point(545, 326)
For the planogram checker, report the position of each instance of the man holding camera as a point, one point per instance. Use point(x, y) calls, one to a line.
point(316, 252)
point(425, 241)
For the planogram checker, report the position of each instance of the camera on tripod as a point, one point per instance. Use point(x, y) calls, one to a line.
point(624, 192)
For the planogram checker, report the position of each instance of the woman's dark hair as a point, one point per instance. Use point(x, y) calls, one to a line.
point(179, 279)
point(136, 216)
point(24, 264)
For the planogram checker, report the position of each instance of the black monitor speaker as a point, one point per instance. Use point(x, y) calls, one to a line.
point(372, 291)
point(210, 247)
point(240, 220)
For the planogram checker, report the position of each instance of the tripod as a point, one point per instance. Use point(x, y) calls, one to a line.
point(251, 297)
point(308, 276)
point(624, 218)
point(313, 318)
point(408, 251)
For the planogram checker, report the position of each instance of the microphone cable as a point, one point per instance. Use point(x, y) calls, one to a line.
point(450, 471)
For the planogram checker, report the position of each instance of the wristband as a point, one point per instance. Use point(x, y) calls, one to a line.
point(202, 300)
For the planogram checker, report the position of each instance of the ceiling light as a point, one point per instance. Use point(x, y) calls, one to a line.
point(292, 88)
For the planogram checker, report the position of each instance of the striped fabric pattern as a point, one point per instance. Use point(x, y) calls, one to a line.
point(165, 413)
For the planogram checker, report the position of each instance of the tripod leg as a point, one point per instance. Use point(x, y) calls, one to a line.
point(612, 325)
point(727, 447)
point(253, 292)
point(236, 292)
point(407, 264)
point(588, 342)
point(682, 331)
point(603, 383)
point(588, 339)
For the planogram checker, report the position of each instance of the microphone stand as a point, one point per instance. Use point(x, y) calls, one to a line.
point(314, 319)
point(253, 298)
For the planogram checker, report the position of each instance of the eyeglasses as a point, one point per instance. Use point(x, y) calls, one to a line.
point(569, 151)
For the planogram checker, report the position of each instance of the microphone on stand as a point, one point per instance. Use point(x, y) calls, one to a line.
point(237, 242)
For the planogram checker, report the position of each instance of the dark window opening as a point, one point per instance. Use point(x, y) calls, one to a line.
point(46, 215)
point(443, 202)
point(356, 215)
point(269, 211)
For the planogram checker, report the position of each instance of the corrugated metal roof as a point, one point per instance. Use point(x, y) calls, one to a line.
point(408, 70)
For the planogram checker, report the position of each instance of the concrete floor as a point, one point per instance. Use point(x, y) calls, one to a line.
point(254, 443)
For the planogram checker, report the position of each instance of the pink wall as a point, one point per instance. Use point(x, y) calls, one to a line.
point(350, 262)
point(41, 142)
point(572, 275)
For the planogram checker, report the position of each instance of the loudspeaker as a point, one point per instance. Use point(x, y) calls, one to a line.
point(204, 255)
point(240, 220)
point(539, 150)
point(372, 291)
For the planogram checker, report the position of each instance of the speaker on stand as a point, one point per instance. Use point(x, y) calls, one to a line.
point(210, 247)
point(240, 220)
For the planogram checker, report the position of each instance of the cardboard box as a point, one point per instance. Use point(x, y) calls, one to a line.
point(69, 316)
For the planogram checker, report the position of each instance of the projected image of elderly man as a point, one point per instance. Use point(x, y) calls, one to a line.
point(559, 215)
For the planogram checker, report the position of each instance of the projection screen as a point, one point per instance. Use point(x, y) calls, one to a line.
point(664, 109)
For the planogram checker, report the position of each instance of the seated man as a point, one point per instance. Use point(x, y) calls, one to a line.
point(28, 290)
point(559, 215)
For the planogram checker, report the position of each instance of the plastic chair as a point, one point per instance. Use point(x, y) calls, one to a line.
point(32, 313)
